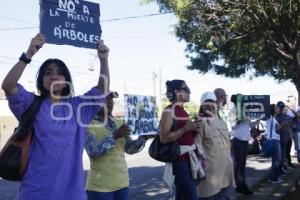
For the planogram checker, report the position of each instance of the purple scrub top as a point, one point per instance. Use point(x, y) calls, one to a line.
point(55, 170)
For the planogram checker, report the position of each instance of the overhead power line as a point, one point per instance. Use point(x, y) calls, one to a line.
point(17, 28)
point(16, 20)
point(106, 20)
point(134, 17)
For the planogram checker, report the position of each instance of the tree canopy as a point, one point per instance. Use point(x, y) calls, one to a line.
point(191, 108)
point(232, 37)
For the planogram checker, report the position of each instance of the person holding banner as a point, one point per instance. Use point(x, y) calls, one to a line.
point(55, 169)
point(241, 136)
point(107, 140)
point(176, 125)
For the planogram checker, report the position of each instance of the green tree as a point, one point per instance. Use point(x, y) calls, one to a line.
point(190, 107)
point(232, 37)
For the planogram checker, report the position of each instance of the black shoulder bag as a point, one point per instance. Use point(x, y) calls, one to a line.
point(164, 152)
point(14, 156)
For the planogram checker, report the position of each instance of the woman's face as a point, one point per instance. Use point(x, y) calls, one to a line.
point(54, 80)
point(210, 108)
point(183, 94)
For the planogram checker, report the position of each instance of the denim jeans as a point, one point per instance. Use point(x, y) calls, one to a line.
point(276, 158)
point(222, 195)
point(239, 151)
point(121, 194)
point(185, 184)
point(297, 146)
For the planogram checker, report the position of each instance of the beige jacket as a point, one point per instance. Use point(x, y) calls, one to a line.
point(213, 137)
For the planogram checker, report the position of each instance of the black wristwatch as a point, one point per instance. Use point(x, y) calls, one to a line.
point(24, 58)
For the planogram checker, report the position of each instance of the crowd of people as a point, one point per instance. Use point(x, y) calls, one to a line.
point(55, 169)
point(223, 137)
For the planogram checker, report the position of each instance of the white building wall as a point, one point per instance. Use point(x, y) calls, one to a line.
point(7, 122)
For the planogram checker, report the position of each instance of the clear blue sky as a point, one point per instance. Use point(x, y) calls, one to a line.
point(138, 48)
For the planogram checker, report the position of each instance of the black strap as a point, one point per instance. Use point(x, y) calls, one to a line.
point(174, 125)
point(27, 118)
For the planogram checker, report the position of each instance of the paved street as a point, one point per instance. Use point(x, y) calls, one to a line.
point(146, 177)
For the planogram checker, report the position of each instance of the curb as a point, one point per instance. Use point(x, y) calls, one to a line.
point(289, 189)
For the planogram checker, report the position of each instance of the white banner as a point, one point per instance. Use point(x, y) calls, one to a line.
point(141, 114)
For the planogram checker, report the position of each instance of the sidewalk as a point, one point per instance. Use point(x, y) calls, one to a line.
point(256, 170)
point(257, 178)
point(147, 184)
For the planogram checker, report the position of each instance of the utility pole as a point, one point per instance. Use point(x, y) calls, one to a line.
point(125, 88)
point(154, 76)
point(159, 104)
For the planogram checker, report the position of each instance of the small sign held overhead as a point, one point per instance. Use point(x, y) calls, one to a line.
point(70, 22)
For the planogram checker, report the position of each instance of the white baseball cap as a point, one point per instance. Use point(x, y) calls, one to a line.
point(208, 96)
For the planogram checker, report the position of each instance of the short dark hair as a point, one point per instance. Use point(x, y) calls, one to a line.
point(171, 86)
point(65, 72)
point(272, 109)
point(233, 99)
point(280, 105)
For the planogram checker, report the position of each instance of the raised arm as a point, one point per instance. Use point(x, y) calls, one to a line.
point(9, 84)
point(104, 78)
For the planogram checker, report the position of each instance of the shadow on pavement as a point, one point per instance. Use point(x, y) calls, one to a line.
point(146, 183)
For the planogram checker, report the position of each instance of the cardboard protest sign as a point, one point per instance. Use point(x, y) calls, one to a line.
point(71, 22)
point(141, 114)
point(253, 107)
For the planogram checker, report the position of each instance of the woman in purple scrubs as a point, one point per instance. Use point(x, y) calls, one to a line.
point(55, 170)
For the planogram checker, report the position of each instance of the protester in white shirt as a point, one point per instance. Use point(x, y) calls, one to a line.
point(241, 136)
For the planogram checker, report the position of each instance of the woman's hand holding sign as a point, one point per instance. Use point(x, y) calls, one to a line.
point(104, 79)
point(123, 131)
point(36, 43)
point(102, 50)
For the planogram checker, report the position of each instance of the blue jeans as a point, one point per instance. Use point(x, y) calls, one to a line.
point(222, 195)
point(121, 194)
point(185, 184)
point(276, 158)
point(297, 146)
